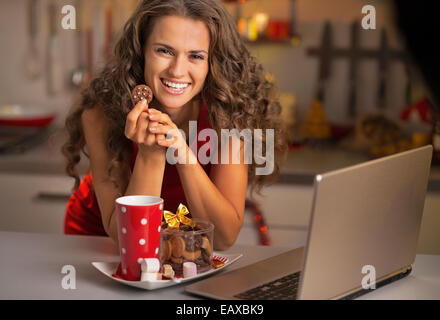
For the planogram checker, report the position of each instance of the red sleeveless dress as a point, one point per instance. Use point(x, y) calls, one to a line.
point(83, 215)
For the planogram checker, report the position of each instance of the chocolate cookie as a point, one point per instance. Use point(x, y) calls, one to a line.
point(191, 255)
point(178, 246)
point(165, 250)
point(206, 257)
point(140, 92)
point(192, 242)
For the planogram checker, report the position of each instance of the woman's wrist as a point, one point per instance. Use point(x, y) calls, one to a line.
point(185, 156)
point(147, 175)
point(156, 156)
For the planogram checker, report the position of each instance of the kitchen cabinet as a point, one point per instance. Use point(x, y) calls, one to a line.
point(33, 202)
point(429, 239)
point(287, 210)
point(33, 195)
point(36, 203)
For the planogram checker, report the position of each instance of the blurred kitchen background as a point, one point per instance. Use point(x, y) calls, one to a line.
point(348, 95)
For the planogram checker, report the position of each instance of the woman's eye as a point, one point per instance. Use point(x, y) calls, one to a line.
point(197, 57)
point(163, 50)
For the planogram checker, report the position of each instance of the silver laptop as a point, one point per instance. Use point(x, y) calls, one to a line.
point(363, 234)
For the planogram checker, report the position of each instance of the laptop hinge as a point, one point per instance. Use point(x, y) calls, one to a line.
point(352, 294)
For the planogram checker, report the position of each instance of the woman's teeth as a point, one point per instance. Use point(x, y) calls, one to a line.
point(175, 86)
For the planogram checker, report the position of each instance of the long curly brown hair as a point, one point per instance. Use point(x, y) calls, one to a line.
point(236, 90)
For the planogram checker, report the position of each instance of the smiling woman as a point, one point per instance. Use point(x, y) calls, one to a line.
point(176, 72)
point(191, 56)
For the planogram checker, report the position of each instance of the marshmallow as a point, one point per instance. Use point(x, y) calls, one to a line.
point(151, 276)
point(150, 265)
point(189, 269)
point(168, 271)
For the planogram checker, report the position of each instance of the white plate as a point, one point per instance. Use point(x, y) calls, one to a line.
point(108, 268)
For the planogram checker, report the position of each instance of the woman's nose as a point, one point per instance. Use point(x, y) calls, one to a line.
point(178, 67)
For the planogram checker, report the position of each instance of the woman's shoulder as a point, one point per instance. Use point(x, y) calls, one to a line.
point(92, 115)
point(94, 120)
point(95, 127)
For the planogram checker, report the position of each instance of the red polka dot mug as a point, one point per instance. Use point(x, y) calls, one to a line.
point(138, 219)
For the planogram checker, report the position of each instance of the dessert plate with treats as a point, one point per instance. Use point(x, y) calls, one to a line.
point(219, 262)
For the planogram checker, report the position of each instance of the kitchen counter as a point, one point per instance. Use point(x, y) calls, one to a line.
point(31, 268)
point(45, 158)
point(300, 167)
point(303, 164)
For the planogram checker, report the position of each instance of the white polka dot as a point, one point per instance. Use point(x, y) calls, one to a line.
point(158, 229)
point(140, 260)
point(123, 250)
point(123, 209)
point(161, 206)
point(124, 231)
point(142, 242)
point(157, 251)
point(124, 271)
point(144, 221)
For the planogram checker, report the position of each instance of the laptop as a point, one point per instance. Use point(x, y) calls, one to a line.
point(363, 234)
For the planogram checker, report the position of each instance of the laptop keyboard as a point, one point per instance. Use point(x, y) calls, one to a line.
point(284, 288)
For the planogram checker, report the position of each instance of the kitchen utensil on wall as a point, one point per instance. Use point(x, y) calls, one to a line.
point(32, 61)
point(102, 16)
point(108, 36)
point(383, 69)
point(54, 74)
point(408, 87)
point(316, 125)
point(353, 69)
point(294, 34)
point(79, 75)
point(89, 51)
point(325, 58)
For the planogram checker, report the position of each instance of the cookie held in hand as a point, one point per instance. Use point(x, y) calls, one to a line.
point(140, 92)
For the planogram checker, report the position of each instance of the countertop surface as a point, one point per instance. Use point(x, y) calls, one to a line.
point(32, 263)
point(46, 158)
point(300, 166)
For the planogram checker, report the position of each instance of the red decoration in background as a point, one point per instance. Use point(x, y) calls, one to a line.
point(273, 30)
point(278, 30)
point(31, 122)
point(422, 108)
point(284, 30)
point(259, 222)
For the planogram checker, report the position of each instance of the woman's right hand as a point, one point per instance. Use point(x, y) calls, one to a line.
point(137, 127)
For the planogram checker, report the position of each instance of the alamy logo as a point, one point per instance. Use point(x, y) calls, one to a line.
point(369, 20)
point(208, 153)
point(69, 20)
point(69, 280)
point(369, 281)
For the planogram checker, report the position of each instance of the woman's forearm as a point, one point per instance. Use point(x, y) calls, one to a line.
point(206, 202)
point(147, 176)
point(146, 179)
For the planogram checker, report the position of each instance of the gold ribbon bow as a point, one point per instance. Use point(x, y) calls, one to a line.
point(174, 220)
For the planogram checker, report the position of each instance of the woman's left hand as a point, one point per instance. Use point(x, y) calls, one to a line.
point(168, 133)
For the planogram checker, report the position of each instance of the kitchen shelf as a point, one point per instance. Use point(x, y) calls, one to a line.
point(289, 42)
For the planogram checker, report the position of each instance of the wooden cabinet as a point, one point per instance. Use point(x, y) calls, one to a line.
point(287, 210)
point(33, 203)
point(37, 203)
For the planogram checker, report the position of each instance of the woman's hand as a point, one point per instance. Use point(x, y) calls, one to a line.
point(137, 129)
point(168, 134)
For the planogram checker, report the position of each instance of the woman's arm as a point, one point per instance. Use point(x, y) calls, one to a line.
point(148, 170)
point(219, 198)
